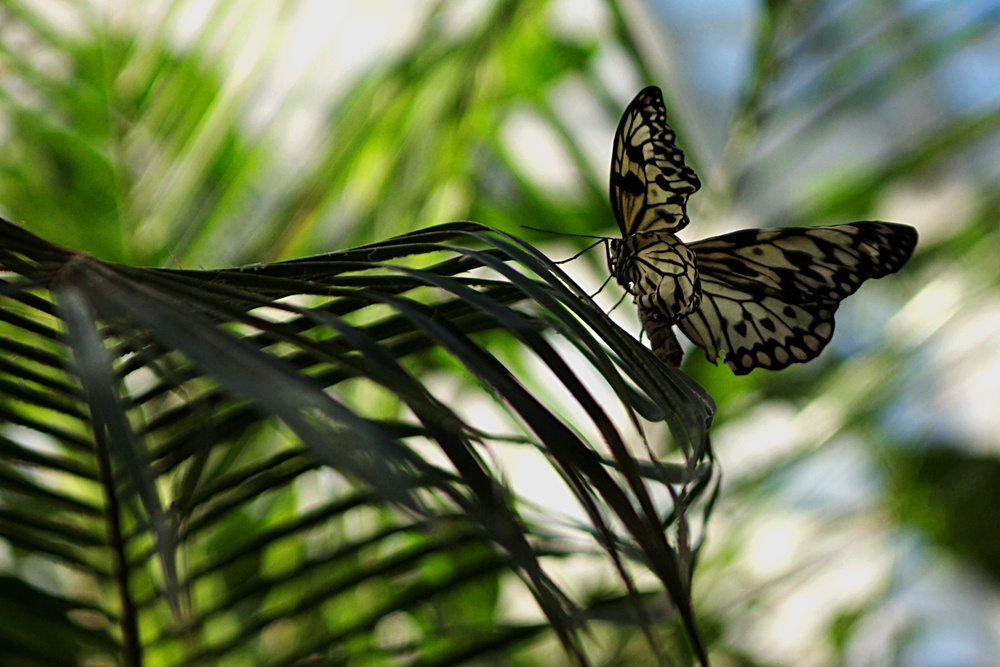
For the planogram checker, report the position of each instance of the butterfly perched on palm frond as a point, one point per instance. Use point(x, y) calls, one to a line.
point(763, 298)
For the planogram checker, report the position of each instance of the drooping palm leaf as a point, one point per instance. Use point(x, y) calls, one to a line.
point(170, 372)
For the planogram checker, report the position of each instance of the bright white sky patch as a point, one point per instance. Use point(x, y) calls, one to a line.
point(538, 152)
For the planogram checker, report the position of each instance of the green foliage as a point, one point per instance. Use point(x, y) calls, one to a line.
point(213, 555)
point(206, 523)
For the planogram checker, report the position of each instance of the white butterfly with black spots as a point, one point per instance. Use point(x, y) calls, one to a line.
point(763, 298)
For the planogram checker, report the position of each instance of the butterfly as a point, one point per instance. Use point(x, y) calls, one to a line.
point(761, 298)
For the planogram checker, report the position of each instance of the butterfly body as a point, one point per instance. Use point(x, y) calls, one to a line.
point(763, 298)
point(660, 271)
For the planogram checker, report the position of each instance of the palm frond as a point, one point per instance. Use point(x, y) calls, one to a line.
point(171, 371)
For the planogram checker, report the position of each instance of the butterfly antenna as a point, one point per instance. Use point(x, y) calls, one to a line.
point(581, 236)
point(588, 248)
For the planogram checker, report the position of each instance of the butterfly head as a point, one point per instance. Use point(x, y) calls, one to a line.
point(620, 261)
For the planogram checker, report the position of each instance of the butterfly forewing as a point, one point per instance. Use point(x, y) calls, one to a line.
point(650, 183)
point(809, 264)
point(768, 296)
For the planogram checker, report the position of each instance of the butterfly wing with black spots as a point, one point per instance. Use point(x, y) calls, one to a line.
point(768, 296)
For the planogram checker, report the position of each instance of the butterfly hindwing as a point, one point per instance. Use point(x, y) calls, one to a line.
point(768, 296)
point(650, 183)
point(754, 330)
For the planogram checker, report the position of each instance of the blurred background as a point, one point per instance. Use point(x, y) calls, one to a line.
point(858, 523)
